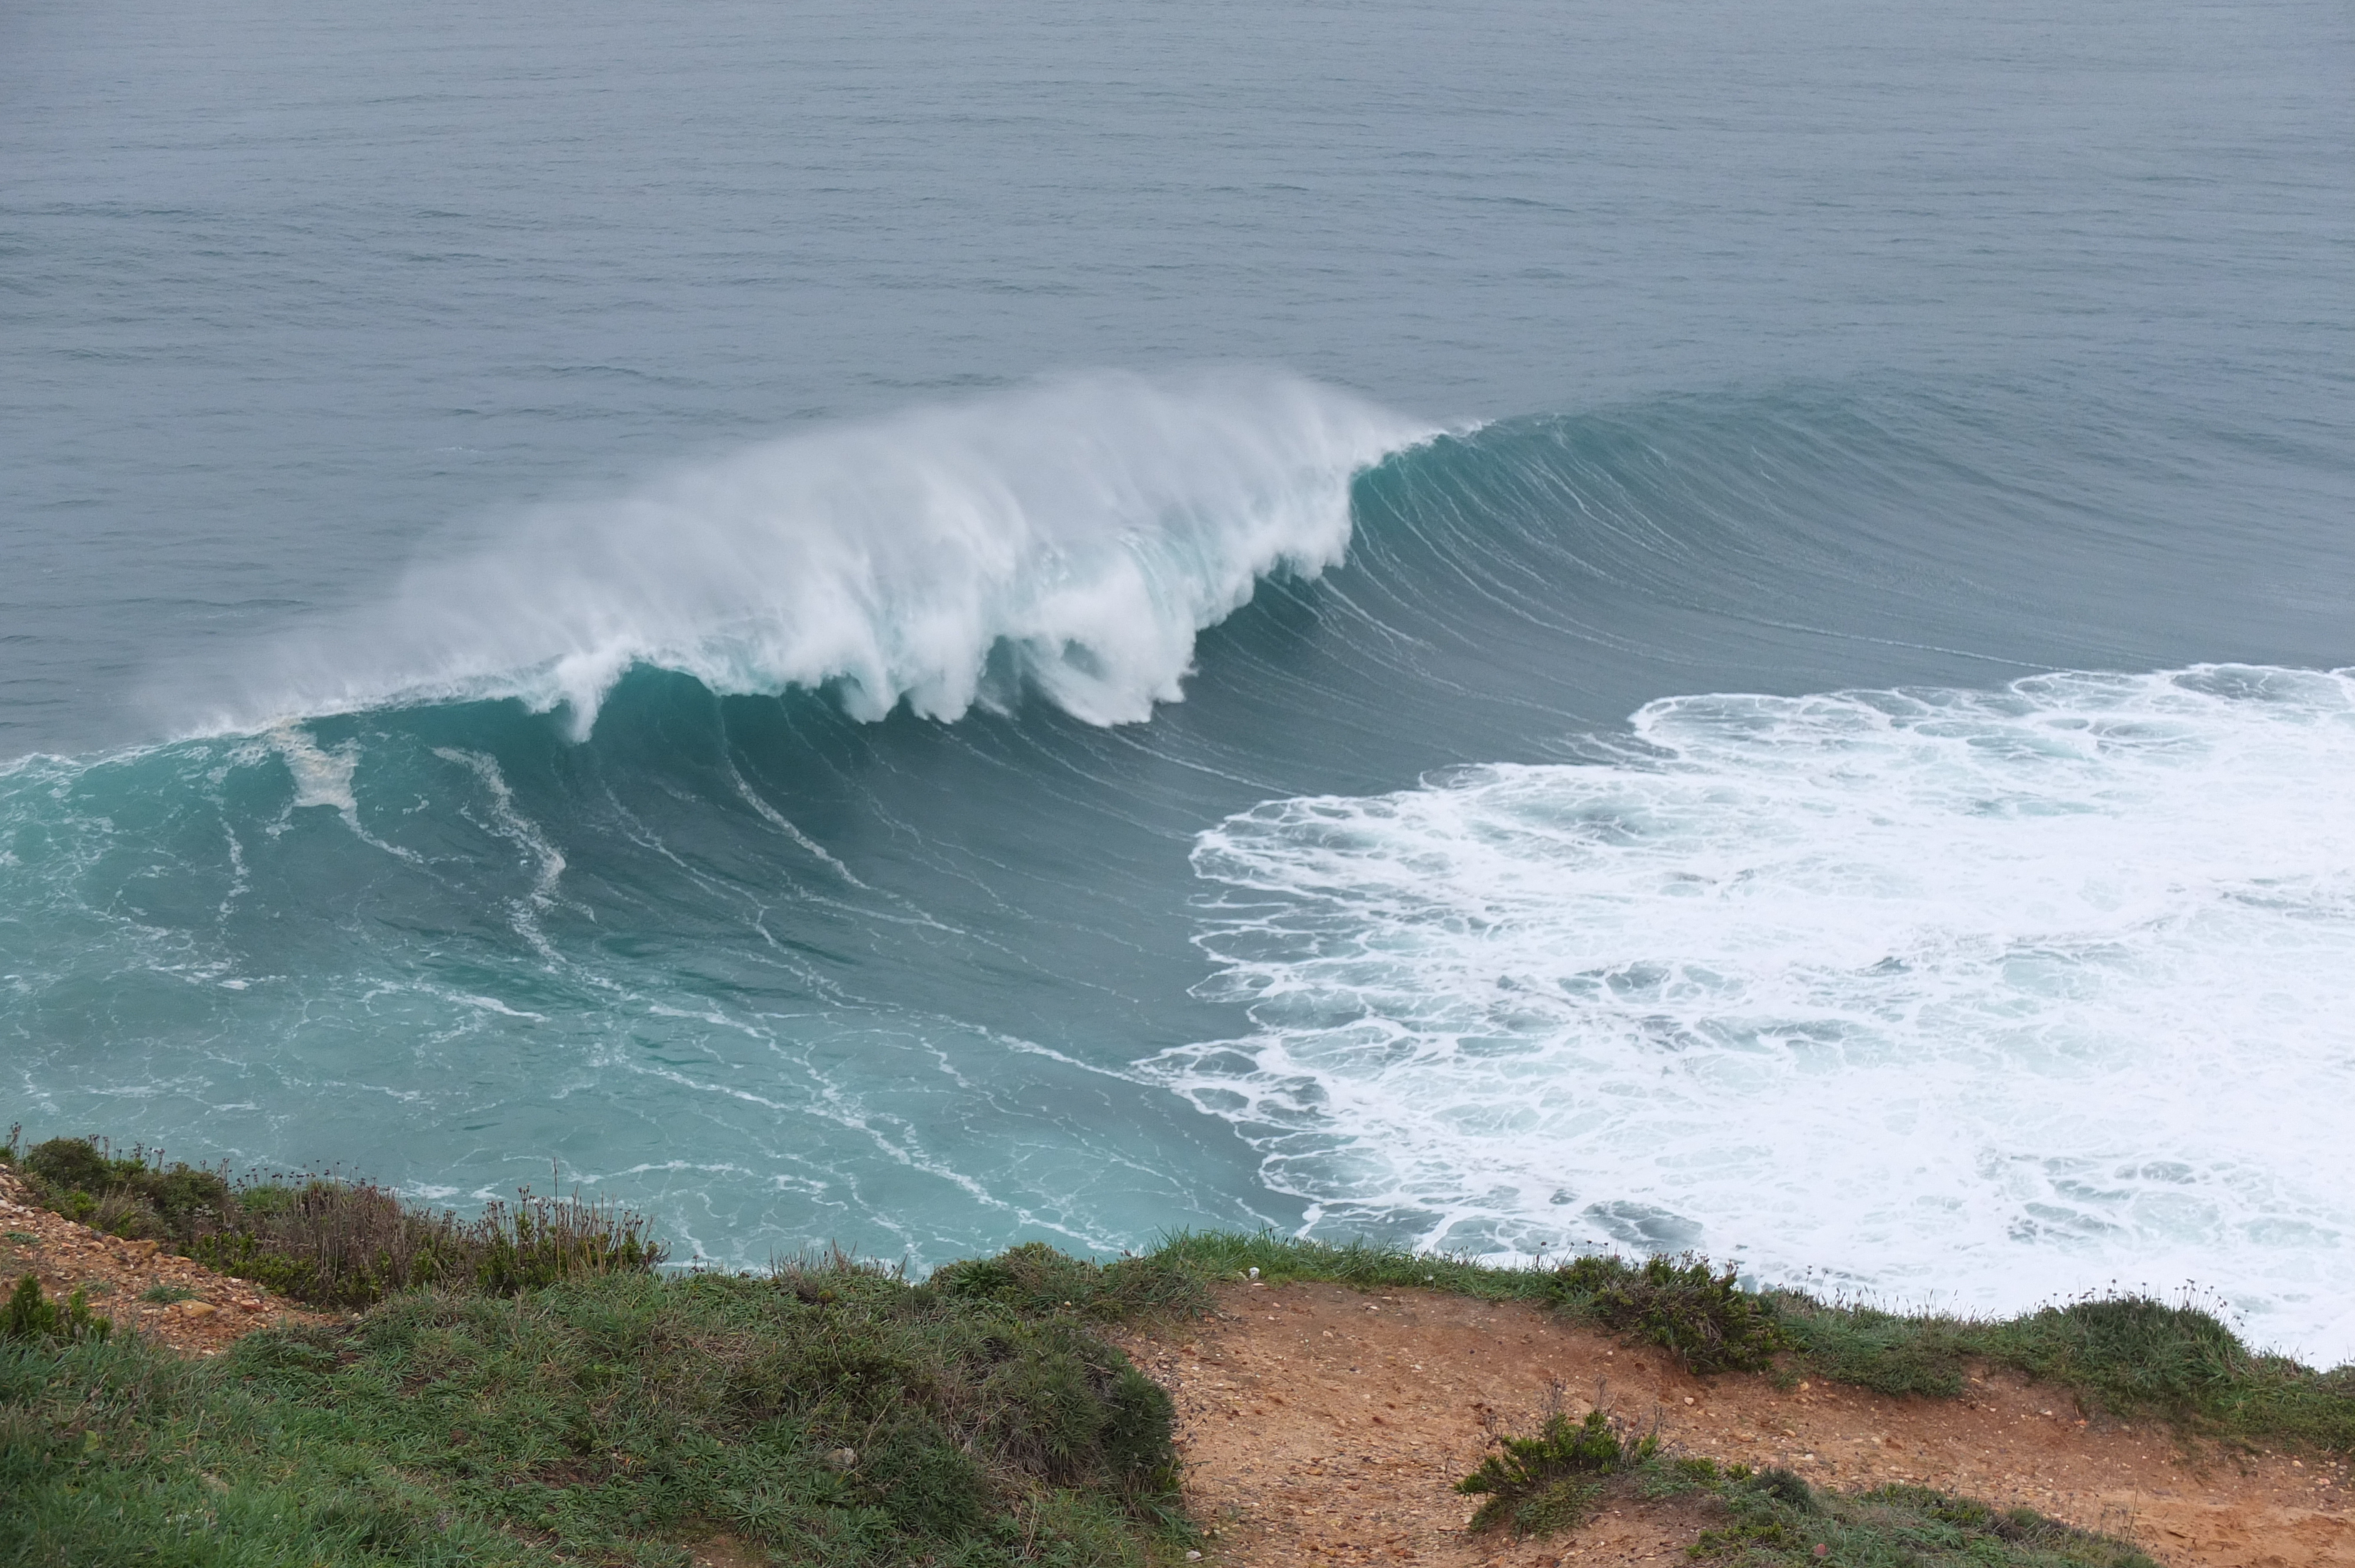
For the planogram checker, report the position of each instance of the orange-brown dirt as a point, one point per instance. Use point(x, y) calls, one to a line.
point(1325, 1426)
point(114, 1274)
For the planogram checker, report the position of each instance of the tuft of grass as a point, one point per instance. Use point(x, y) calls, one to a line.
point(2117, 1355)
point(1552, 1481)
point(1885, 1351)
point(166, 1295)
point(1231, 1256)
point(30, 1318)
point(1766, 1519)
point(1037, 1279)
point(2130, 1356)
point(1775, 1520)
point(337, 1243)
point(328, 1240)
point(1700, 1316)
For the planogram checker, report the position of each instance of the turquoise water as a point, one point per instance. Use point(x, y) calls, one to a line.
point(1646, 626)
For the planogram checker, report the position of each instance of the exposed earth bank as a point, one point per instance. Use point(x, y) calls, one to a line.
point(1323, 1424)
point(135, 1284)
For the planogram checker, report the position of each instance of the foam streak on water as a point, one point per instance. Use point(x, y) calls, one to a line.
point(1070, 539)
point(1990, 994)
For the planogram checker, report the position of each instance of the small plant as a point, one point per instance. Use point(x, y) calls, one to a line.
point(166, 1295)
point(1704, 1317)
point(1775, 1520)
point(135, 1195)
point(1034, 1278)
point(31, 1317)
point(24, 1238)
point(328, 1240)
point(1552, 1481)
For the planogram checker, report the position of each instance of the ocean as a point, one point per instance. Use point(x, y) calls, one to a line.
point(1521, 630)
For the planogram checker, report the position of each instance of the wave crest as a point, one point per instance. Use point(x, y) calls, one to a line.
point(1072, 538)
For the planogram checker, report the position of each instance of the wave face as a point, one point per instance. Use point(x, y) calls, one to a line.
point(761, 847)
point(1983, 993)
point(1070, 539)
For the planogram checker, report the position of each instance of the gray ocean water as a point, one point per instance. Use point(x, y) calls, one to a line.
point(1548, 625)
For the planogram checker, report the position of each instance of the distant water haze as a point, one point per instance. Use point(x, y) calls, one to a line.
point(1708, 626)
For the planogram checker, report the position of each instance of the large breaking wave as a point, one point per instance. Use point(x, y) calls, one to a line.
point(1921, 985)
point(1071, 538)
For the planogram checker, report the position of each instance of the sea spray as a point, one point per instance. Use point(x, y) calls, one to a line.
point(1071, 538)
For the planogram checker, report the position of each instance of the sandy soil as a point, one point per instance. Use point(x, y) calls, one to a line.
point(115, 1273)
point(1324, 1426)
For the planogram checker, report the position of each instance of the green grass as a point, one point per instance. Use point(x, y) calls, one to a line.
point(1773, 1519)
point(1035, 1279)
point(832, 1415)
point(528, 1388)
point(325, 1239)
point(30, 1318)
point(1553, 1482)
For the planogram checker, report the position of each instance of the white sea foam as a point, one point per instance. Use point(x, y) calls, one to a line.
point(1997, 996)
point(509, 822)
point(1072, 538)
point(322, 777)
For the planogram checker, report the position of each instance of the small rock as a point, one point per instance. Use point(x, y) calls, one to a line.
point(842, 1458)
point(197, 1308)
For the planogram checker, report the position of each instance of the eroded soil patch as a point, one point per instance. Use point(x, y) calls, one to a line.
point(214, 1313)
point(1321, 1424)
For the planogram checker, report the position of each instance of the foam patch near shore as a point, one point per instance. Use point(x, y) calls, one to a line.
point(1972, 997)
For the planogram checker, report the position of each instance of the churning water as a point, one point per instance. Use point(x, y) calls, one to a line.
point(1651, 627)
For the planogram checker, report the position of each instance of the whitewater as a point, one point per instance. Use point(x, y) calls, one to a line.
point(1069, 539)
point(1926, 996)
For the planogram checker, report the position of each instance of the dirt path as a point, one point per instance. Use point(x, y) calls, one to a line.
point(115, 1274)
point(1324, 1426)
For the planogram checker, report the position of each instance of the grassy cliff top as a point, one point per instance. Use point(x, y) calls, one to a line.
point(530, 1386)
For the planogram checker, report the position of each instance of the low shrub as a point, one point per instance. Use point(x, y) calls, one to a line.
point(1704, 1318)
point(1770, 1518)
point(134, 1196)
point(1036, 1278)
point(328, 1240)
point(1552, 1481)
point(30, 1316)
point(335, 1243)
point(1775, 1520)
